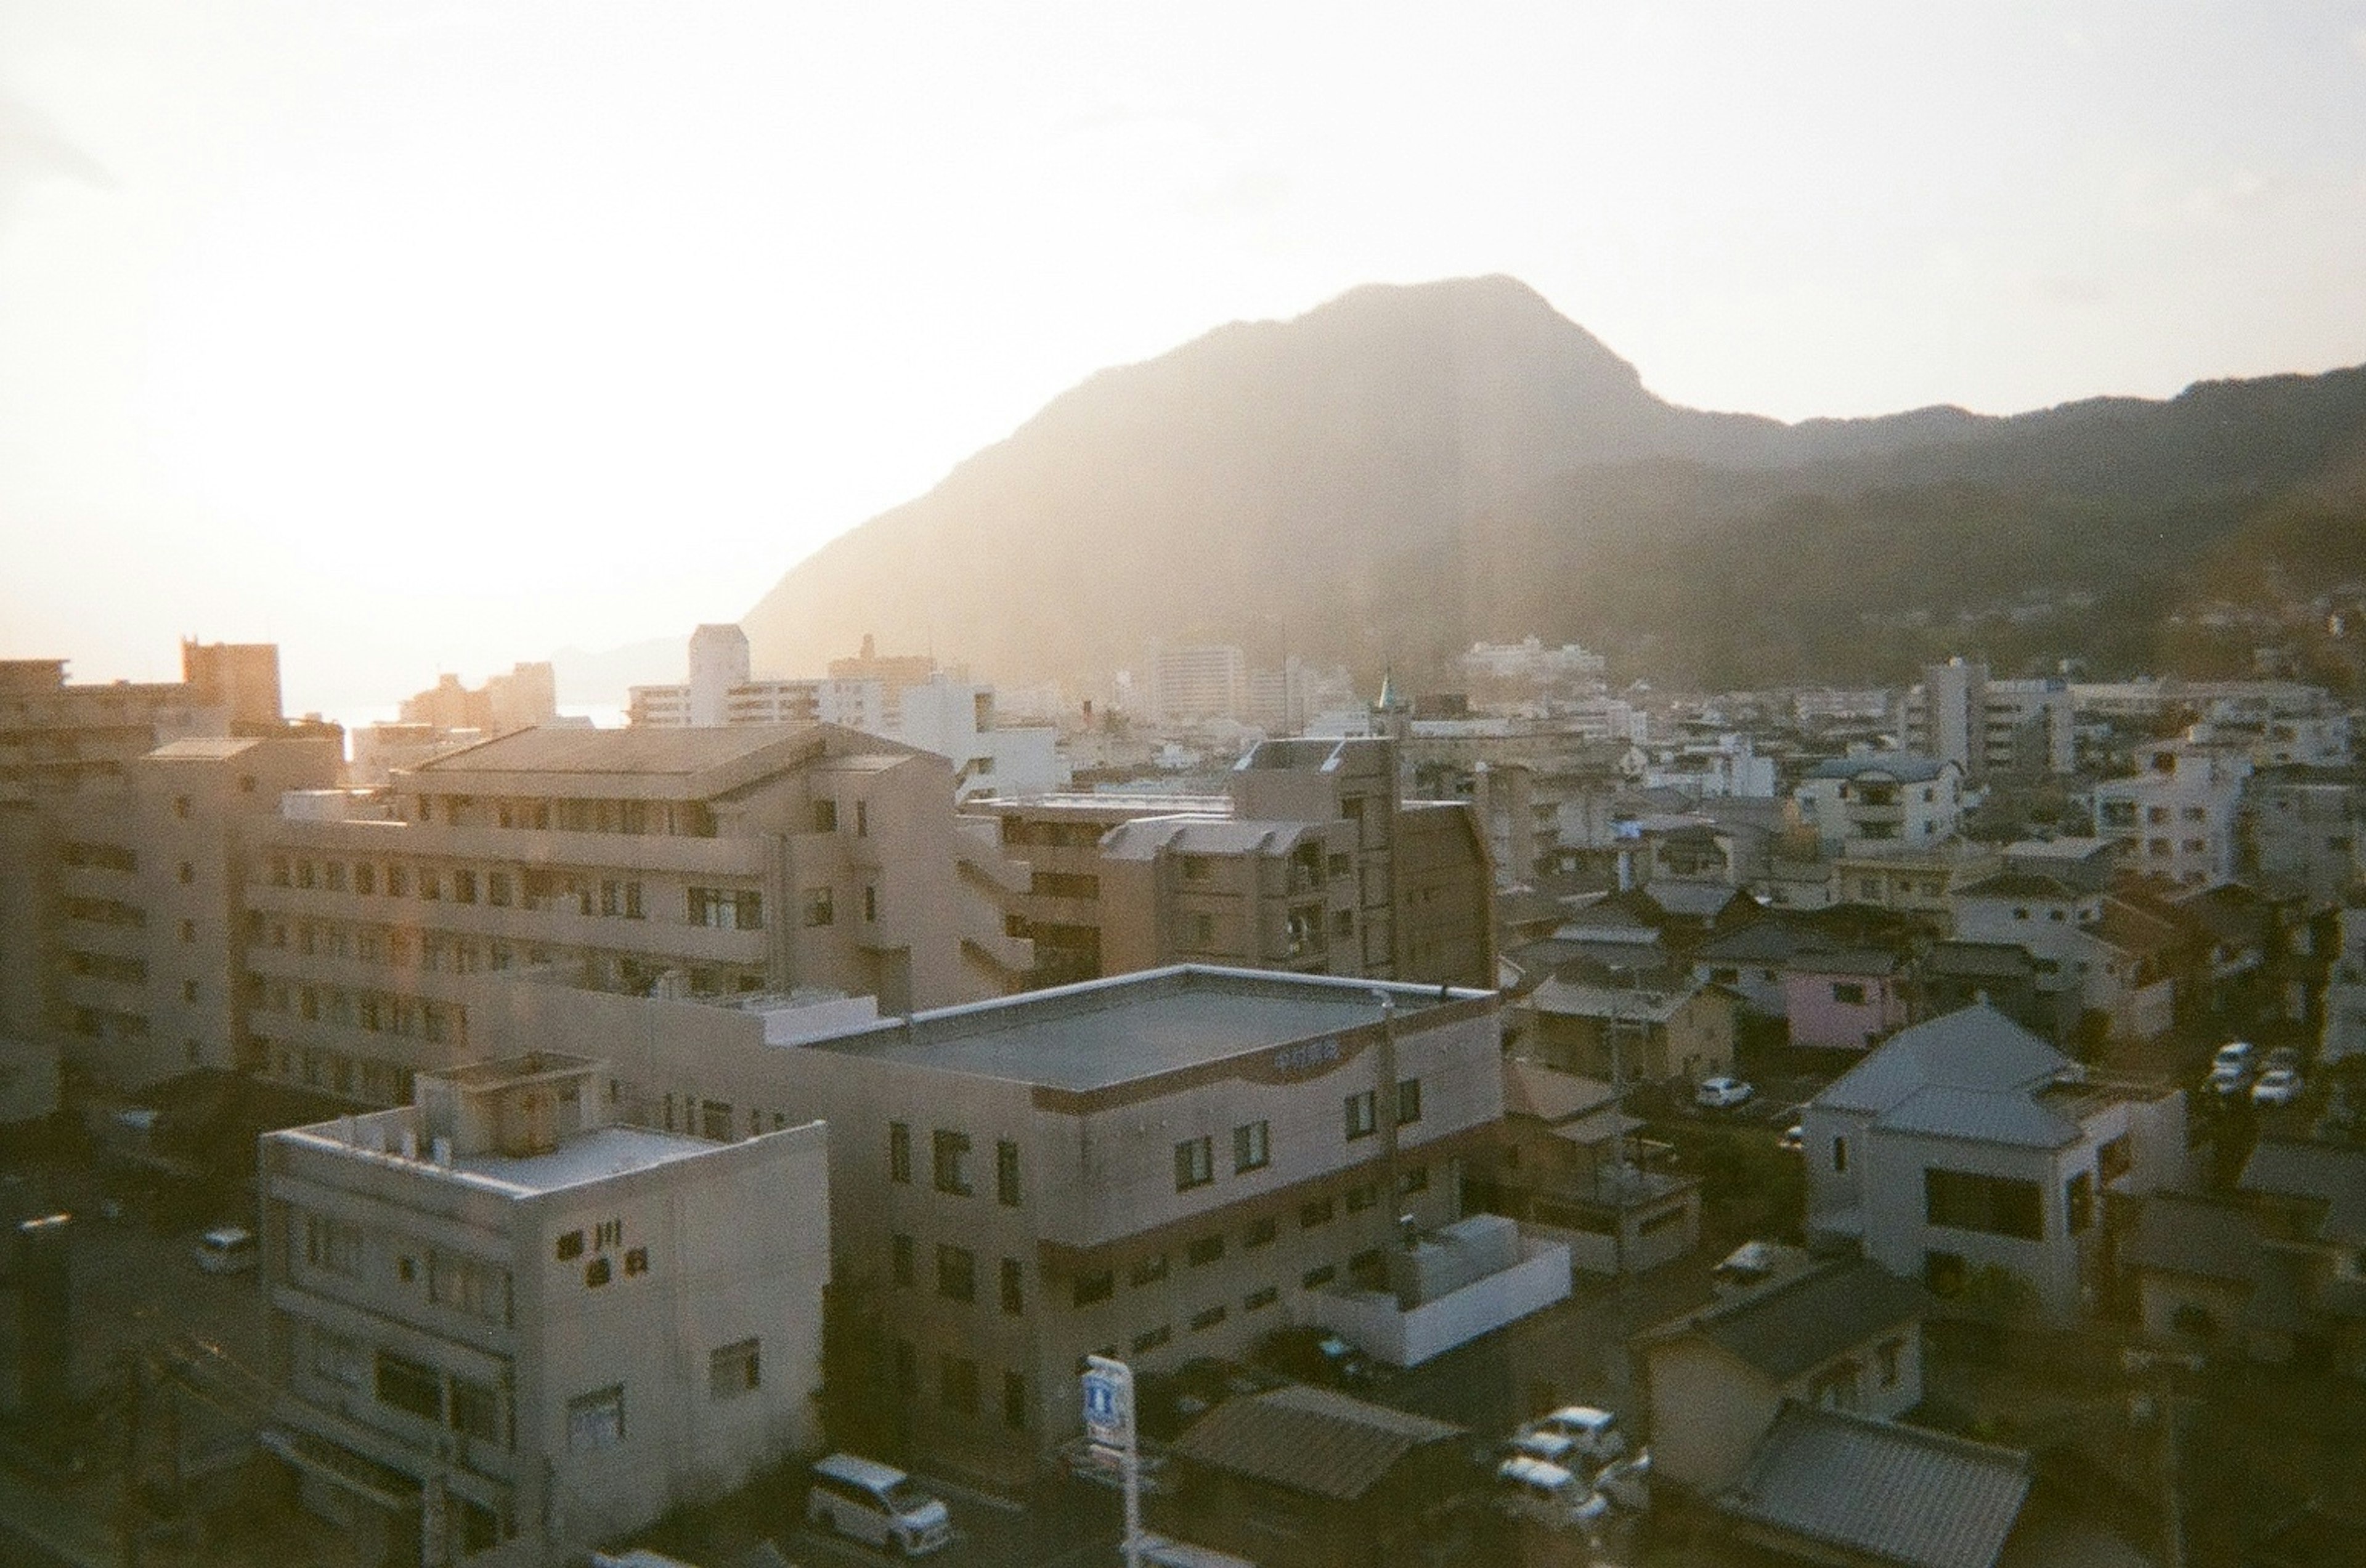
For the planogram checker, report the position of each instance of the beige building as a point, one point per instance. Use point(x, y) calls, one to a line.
point(696, 861)
point(1660, 1026)
point(504, 1328)
point(1309, 862)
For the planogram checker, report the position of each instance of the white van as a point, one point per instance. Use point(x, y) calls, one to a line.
point(1592, 1433)
point(226, 1249)
point(878, 1504)
point(1552, 1497)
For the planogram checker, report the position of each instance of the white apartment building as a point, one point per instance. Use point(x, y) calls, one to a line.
point(2176, 815)
point(1881, 802)
point(1968, 1142)
point(504, 1328)
point(1959, 715)
point(1189, 685)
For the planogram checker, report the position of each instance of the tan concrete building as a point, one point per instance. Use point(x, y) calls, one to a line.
point(504, 1328)
point(1159, 1167)
point(1309, 862)
point(689, 860)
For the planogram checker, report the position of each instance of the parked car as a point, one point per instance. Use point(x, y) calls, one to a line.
point(2277, 1085)
point(1721, 1093)
point(226, 1249)
point(2284, 1056)
point(876, 1504)
point(1628, 1482)
point(2227, 1078)
point(1794, 1139)
point(2234, 1054)
point(1552, 1497)
point(1317, 1355)
point(1592, 1433)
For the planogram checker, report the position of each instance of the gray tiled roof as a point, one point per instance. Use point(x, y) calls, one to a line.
point(1988, 1116)
point(1973, 1048)
point(1798, 1323)
point(1899, 1493)
point(1309, 1440)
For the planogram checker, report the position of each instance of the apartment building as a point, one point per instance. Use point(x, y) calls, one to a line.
point(1309, 862)
point(503, 1327)
point(1160, 1166)
point(2176, 815)
point(1190, 685)
point(716, 860)
point(1967, 1144)
point(1990, 727)
point(1881, 803)
point(527, 696)
point(2302, 831)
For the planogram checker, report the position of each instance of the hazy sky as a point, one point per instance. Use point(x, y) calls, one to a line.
point(420, 336)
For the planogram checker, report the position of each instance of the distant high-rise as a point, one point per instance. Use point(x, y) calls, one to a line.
point(718, 661)
point(1194, 684)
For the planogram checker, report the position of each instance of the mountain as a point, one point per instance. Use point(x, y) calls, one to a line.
point(1407, 470)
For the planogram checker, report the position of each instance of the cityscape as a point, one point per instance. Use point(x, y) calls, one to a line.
point(1233, 900)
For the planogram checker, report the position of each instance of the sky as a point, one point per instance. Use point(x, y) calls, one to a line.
point(430, 336)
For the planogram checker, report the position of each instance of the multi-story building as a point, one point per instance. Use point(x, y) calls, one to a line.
point(1190, 685)
point(2302, 831)
point(1967, 1144)
point(1159, 1167)
point(698, 861)
point(123, 813)
point(1881, 803)
point(1990, 727)
point(527, 696)
point(503, 1327)
point(2176, 814)
point(1310, 862)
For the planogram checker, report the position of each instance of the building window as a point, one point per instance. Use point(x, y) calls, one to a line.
point(1848, 993)
point(333, 1245)
point(1006, 1173)
point(596, 1420)
point(1316, 1277)
point(497, 886)
point(464, 887)
point(1147, 1270)
point(1206, 1249)
point(476, 1410)
point(1314, 1212)
point(407, 1386)
point(956, 1273)
point(599, 1271)
point(1413, 1180)
point(824, 816)
point(1256, 1300)
point(1014, 1283)
point(1408, 1102)
point(715, 1119)
point(1150, 1340)
point(958, 1385)
point(1362, 1198)
point(1992, 1206)
point(870, 902)
point(1887, 1356)
point(899, 1152)
point(1014, 1400)
point(952, 1163)
point(468, 1284)
point(570, 1247)
point(1840, 1156)
point(1363, 1122)
point(1091, 1288)
point(1207, 1318)
point(1261, 1233)
point(637, 1261)
point(862, 820)
point(733, 1370)
point(1252, 1146)
point(2079, 1200)
point(818, 908)
point(338, 1360)
point(1195, 1164)
point(899, 1256)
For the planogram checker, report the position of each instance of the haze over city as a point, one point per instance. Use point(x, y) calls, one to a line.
point(435, 337)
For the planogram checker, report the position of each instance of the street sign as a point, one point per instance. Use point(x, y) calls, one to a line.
point(1107, 1404)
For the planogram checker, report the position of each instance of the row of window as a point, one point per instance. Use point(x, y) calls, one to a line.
point(959, 1385)
point(456, 1279)
point(379, 1012)
point(1088, 1289)
point(949, 1162)
point(727, 908)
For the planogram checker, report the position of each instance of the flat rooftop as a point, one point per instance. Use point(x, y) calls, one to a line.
point(590, 1155)
point(1105, 1033)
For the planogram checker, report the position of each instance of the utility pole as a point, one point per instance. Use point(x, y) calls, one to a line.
point(1108, 1423)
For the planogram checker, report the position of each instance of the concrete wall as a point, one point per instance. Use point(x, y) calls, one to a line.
point(1408, 1337)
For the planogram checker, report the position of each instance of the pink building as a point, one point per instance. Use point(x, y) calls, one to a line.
point(1846, 999)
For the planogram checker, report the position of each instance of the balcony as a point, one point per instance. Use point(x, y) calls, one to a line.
point(526, 847)
point(1467, 1280)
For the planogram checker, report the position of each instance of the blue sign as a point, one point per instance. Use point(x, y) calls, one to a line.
point(1101, 1400)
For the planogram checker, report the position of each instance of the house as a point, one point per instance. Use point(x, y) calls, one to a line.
point(1303, 1477)
point(1886, 800)
point(1570, 1165)
point(1846, 1336)
point(1844, 999)
point(1831, 1486)
point(1967, 1144)
point(503, 1325)
point(1954, 975)
point(1660, 1026)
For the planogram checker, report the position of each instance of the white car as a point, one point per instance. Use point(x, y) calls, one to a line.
point(1718, 1094)
point(1552, 1497)
point(2277, 1085)
point(876, 1504)
point(1590, 1432)
point(2234, 1054)
point(1794, 1140)
point(2227, 1077)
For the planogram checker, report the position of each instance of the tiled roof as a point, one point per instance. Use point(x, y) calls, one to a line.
point(2000, 960)
point(1798, 1323)
point(1897, 1494)
point(1973, 1048)
point(574, 749)
point(2019, 884)
point(1988, 1116)
point(1575, 1000)
point(1309, 1440)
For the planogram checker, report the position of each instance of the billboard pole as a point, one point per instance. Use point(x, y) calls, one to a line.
point(1108, 1424)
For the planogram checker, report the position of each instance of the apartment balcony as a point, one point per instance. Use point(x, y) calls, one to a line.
point(983, 862)
point(96, 881)
point(1013, 956)
point(105, 936)
point(105, 995)
point(625, 852)
point(558, 924)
